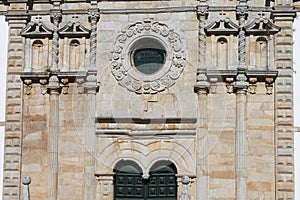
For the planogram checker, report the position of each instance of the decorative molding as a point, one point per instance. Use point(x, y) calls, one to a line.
point(236, 79)
point(74, 29)
point(262, 26)
point(222, 27)
point(57, 82)
point(125, 74)
point(252, 85)
point(36, 30)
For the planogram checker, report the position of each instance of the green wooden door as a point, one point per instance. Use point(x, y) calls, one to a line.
point(129, 184)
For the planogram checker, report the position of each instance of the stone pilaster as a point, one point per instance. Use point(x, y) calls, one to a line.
point(17, 19)
point(284, 135)
point(202, 89)
point(53, 136)
point(241, 144)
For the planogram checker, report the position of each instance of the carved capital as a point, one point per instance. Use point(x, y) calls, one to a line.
point(53, 86)
point(241, 83)
point(202, 86)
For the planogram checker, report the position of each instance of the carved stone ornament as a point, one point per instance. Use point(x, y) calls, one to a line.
point(74, 29)
point(36, 30)
point(28, 86)
point(222, 27)
point(261, 26)
point(133, 80)
point(252, 85)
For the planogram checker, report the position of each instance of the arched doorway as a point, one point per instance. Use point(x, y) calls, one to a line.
point(129, 184)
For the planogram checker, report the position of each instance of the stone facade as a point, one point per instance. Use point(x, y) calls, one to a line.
point(220, 108)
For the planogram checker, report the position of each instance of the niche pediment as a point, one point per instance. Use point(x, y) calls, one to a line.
point(36, 30)
point(74, 29)
point(261, 26)
point(222, 27)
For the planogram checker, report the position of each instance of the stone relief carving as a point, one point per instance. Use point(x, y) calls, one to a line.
point(157, 82)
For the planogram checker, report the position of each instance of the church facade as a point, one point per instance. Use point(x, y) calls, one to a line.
point(160, 100)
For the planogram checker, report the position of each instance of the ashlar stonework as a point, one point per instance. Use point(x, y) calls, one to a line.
point(211, 119)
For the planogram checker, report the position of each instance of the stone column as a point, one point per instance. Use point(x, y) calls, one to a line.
point(91, 89)
point(56, 18)
point(241, 88)
point(185, 180)
point(93, 17)
point(26, 194)
point(90, 137)
point(202, 187)
point(241, 144)
point(53, 136)
point(202, 88)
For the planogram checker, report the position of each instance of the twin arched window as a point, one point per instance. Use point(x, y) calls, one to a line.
point(129, 184)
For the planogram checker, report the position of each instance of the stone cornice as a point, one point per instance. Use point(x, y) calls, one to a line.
point(85, 81)
point(233, 82)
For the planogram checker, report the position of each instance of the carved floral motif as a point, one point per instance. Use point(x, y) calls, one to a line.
point(153, 83)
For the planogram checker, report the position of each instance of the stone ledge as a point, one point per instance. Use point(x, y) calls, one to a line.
point(2, 123)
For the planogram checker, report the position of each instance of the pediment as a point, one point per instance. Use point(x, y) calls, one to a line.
point(36, 30)
point(222, 27)
point(262, 26)
point(74, 29)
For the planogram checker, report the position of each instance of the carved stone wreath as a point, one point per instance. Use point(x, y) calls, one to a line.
point(126, 74)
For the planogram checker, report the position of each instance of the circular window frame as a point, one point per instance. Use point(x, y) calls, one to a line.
point(128, 75)
point(134, 72)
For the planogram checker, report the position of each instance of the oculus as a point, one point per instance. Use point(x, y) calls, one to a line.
point(147, 57)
